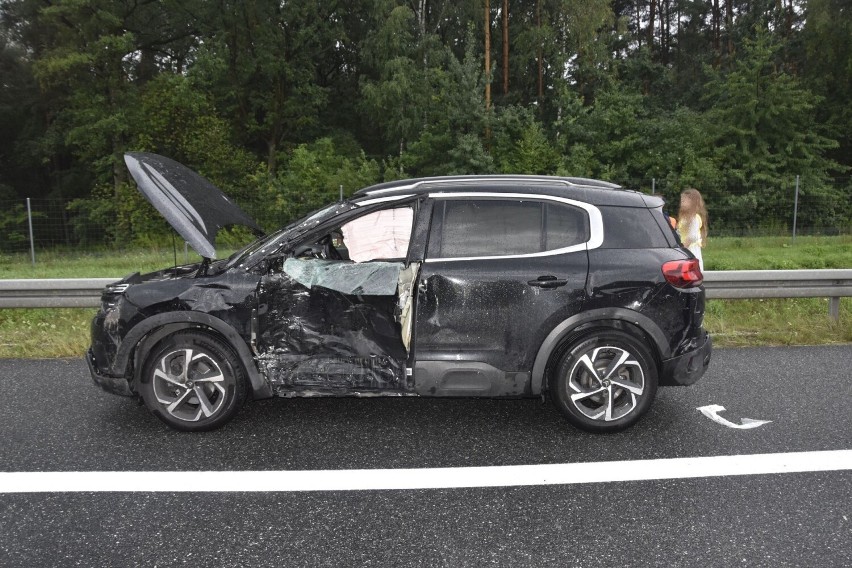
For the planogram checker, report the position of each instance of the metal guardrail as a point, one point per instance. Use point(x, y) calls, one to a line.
point(53, 292)
point(754, 284)
point(722, 284)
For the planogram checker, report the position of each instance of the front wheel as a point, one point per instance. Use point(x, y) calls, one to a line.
point(605, 381)
point(193, 382)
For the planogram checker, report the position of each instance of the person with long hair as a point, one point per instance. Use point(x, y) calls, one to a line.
point(692, 223)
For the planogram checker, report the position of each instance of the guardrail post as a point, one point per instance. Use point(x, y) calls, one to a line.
point(834, 308)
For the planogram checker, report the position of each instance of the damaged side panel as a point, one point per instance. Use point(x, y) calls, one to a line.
point(480, 323)
point(332, 328)
point(115, 330)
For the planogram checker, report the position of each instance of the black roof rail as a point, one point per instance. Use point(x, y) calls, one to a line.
point(412, 184)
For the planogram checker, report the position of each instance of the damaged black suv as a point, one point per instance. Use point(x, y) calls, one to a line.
point(475, 286)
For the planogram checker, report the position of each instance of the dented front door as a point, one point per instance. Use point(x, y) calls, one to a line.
point(325, 331)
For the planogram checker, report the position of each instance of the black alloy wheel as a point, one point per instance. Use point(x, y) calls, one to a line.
point(193, 382)
point(605, 381)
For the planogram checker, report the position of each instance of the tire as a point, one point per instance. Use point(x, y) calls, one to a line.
point(597, 398)
point(203, 397)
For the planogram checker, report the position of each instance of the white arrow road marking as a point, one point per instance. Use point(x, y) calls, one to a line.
point(426, 478)
point(712, 411)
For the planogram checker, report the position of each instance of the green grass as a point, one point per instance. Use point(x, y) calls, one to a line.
point(34, 333)
point(777, 253)
point(777, 321)
point(804, 321)
point(91, 264)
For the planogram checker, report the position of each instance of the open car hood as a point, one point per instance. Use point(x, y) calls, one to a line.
point(196, 208)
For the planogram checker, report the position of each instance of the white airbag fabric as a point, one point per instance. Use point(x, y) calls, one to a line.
point(382, 234)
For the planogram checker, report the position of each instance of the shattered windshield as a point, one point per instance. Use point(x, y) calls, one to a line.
point(294, 229)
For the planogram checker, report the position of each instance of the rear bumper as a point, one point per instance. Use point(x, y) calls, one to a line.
point(686, 369)
point(114, 385)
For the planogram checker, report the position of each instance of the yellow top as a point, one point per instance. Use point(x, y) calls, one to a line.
point(690, 231)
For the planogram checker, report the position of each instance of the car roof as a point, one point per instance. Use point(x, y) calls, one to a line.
point(595, 192)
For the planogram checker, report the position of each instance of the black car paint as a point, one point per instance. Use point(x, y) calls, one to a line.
point(486, 312)
point(123, 328)
point(278, 326)
point(192, 205)
point(321, 342)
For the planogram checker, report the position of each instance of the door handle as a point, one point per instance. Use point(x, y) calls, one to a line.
point(547, 282)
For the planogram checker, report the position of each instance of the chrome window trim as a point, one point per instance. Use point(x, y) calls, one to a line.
point(596, 232)
point(395, 188)
point(382, 199)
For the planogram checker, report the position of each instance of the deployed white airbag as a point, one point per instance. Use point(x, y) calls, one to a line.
point(381, 234)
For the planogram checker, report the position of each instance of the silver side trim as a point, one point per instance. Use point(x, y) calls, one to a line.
point(383, 199)
point(395, 188)
point(554, 252)
point(595, 224)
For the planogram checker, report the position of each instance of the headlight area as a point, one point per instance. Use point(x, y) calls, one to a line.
point(111, 296)
point(106, 329)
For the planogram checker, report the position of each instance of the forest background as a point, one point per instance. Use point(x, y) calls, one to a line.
point(282, 103)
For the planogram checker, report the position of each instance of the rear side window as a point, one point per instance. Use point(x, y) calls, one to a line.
point(565, 226)
point(502, 227)
point(631, 228)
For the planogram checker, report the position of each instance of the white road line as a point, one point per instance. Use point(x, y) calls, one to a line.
point(427, 478)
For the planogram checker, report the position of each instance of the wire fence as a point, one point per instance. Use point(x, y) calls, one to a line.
point(795, 207)
point(29, 226)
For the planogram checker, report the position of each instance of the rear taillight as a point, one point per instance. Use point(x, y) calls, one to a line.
point(683, 273)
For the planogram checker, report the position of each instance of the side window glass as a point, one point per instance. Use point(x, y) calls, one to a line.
point(565, 226)
point(486, 228)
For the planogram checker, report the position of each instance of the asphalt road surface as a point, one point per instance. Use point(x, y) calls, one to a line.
point(53, 419)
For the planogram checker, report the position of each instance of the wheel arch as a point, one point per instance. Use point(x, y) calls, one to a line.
point(140, 340)
point(622, 319)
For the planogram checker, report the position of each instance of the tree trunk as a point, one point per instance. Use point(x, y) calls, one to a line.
point(790, 14)
point(505, 47)
point(540, 92)
point(272, 156)
point(487, 54)
point(667, 33)
point(638, 26)
point(729, 26)
point(651, 17)
point(421, 24)
point(717, 26)
point(147, 67)
point(119, 170)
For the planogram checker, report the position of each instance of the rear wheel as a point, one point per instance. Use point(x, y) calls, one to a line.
point(605, 381)
point(193, 382)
